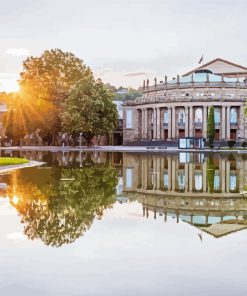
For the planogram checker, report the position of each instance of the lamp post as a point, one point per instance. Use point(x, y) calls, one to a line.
point(80, 139)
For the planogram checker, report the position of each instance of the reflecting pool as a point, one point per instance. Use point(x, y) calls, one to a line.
point(124, 224)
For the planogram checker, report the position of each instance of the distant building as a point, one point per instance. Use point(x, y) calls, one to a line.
point(179, 108)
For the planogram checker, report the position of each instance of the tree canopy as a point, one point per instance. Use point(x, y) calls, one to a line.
point(89, 109)
point(59, 207)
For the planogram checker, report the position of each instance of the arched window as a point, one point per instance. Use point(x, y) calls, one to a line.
point(216, 116)
point(181, 117)
point(166, 118)
point(198, 115)
point(233, 116)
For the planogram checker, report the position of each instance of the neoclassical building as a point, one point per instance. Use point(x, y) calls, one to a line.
point(179, 108)
point(184, 187)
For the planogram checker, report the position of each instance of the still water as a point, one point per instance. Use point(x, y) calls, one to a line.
point(124, 224)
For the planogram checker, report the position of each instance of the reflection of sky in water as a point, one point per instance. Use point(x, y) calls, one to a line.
point(125, 253)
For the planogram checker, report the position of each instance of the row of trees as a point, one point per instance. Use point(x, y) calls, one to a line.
point(58, 92)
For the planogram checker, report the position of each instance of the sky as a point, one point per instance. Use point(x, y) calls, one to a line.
point(123, 41)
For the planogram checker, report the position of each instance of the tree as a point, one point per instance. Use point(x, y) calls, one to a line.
point(59, 207)
point(48, 79)
point(89, 109)
point(211, 126)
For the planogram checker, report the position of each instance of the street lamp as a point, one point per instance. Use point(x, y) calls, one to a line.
point(80, 139)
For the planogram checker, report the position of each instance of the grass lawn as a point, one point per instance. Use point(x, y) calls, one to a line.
point(12, 161)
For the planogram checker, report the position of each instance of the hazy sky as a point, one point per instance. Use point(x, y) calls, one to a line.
point(123, 41)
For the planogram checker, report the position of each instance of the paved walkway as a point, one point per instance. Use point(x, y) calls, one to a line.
point(115, 149)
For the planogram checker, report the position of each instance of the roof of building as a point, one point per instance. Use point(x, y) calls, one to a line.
point(221, 66)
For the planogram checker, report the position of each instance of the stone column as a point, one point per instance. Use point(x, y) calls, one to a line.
point(173, 175)
point(169, 166)
point(186, 171)
point(241, 122)
point(204, 178)
point(174, 123)
point(223, 175)
point(158, 173)
point(158, 124)
point(191, 176)
point(228, 126)
point(205, 120)
point(169, 123)
point(146, 124)
point(191, 134)
point(186, 122)
point(223, 123)
point(143, 124)
point(227, 176)
point(154, 124)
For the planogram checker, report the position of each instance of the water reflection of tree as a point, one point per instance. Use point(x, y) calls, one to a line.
point(59, 205)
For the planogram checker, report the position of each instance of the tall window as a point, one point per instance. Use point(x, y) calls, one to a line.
point(198, 181)
point(233, 181)
point(181, 117)
point(166, 118)
point(216, 116)
point(233, 116)
point(198, 116)
point(129, 119)
point(181, 181)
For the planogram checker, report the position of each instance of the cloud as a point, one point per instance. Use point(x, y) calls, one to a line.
point(18, 52)
point(16, 237)
point(133, 74)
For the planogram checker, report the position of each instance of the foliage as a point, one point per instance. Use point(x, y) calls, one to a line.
point(211, 126)
point(12, 161)
point(25, 115)
point(89, 109)
point(62, 205)
point(231, 143)
point(45, 83)
point(244, 144)
point(210, 173)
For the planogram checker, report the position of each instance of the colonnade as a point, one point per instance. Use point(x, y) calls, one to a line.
point(157, 126)
point(158, 173)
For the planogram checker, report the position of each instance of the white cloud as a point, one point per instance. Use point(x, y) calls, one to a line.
point(17, 52)
point(16, 237)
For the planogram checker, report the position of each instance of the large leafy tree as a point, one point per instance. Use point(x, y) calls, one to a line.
point(59, 207)
point(47, 80)
point(89, 109)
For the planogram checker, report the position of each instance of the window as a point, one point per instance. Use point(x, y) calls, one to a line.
point(181, 181)
point(166, 181)
point(198, 181)
point(129, 176)
point(216, 116)
point(198, 116)
point(233, 182)
point(166, 118)
point(129, 119)
point(217, 182)
point(233, 116)
point(181, 117)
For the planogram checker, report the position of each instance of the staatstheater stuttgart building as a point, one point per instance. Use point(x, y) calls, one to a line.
point(179, 108)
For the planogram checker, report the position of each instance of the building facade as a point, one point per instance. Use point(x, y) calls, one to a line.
point(178, 108)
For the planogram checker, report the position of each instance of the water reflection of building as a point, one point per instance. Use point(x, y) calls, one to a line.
point(206, 192)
